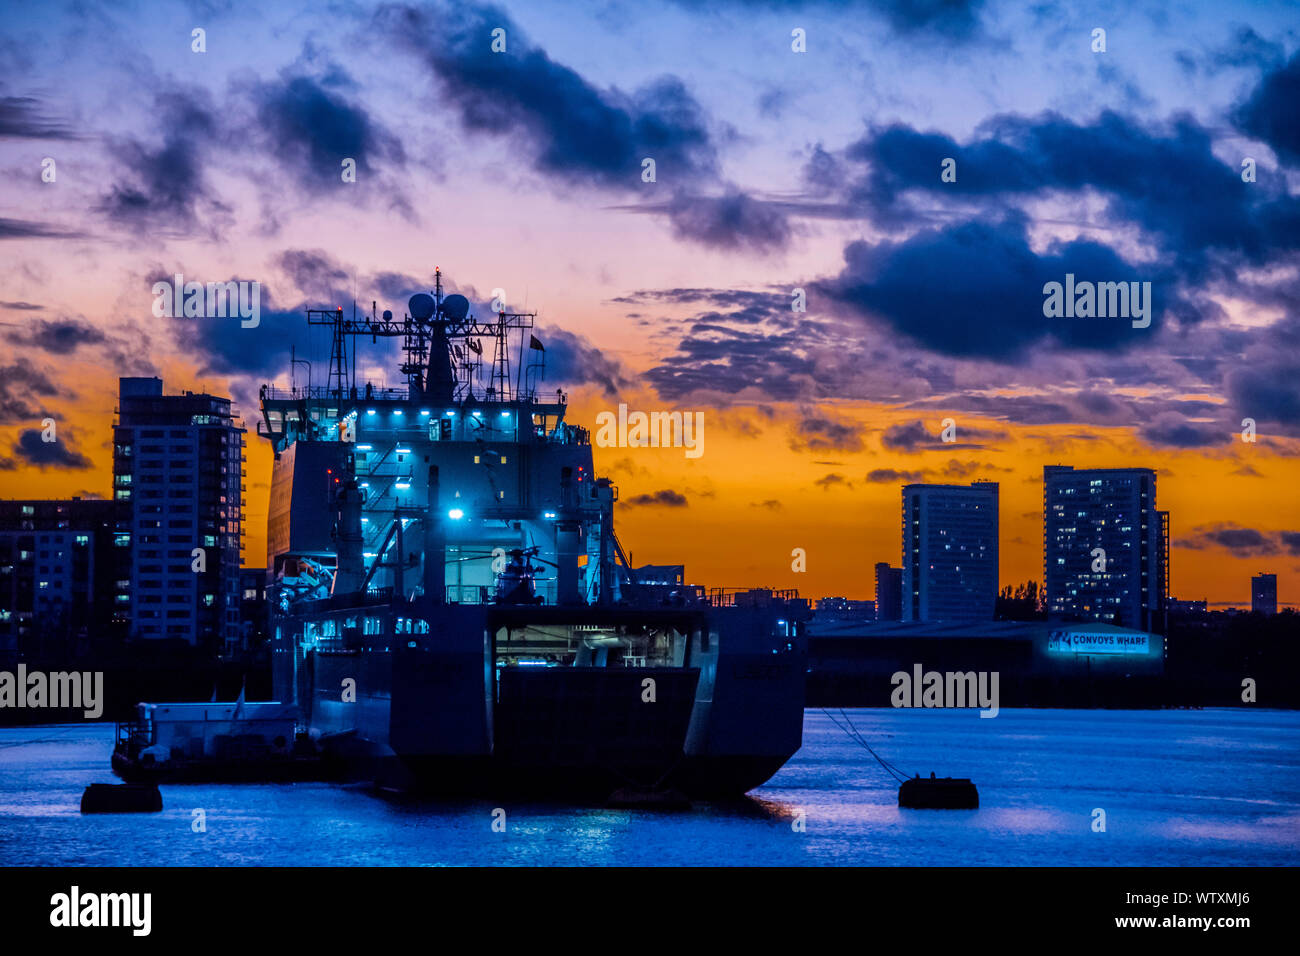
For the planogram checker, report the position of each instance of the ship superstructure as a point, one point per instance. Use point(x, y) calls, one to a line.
point(452, 607)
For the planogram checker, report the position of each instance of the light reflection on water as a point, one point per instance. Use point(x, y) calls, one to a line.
point(1214, 787)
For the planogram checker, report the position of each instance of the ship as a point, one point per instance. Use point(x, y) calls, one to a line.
point(451, 609)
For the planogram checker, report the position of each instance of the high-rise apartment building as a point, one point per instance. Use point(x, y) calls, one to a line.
point(177, 470)
point(1263, 593)
point(950, 552)
point(1105, 546)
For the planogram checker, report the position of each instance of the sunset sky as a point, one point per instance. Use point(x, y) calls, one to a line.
point(776, 170)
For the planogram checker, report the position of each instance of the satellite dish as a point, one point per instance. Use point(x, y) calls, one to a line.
point(455, 307)
point(421, 306)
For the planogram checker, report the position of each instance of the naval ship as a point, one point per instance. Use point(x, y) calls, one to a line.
point(452, 611)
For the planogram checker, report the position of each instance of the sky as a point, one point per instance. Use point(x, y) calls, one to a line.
point(796, 146)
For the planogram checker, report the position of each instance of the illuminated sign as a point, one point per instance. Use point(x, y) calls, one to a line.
point(1097, 642)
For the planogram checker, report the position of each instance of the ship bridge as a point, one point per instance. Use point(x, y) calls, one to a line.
point(464, 466)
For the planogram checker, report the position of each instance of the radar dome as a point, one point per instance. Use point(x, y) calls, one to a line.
point(421, 306)
point(455, 307)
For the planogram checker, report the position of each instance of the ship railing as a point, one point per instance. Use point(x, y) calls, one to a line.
point(751, 597)
point(132, 736)
point(278, 393)
point(468, 594)
point(483, 594)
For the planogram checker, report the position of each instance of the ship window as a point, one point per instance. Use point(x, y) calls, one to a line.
point(503, 459)
point(476, 460)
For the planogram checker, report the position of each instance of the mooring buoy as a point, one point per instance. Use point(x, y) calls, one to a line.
point(938, 793)
point(121, 798)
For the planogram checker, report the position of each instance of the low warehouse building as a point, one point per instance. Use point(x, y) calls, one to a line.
point(1038, 663)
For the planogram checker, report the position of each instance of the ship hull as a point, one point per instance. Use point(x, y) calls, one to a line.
point(431, 714)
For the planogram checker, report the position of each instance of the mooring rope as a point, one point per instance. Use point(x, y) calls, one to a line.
point(858, 738)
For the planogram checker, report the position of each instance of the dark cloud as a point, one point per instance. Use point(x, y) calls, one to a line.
point(1173, 431)
point(953, 469)
point(316, 275)
point(224, 347)
point(952, 19)
point(397, 286)
point(721, 360)
point(572, 360)
point(18, 383)
point(771, 504)
point(667, 498)
point(915, 436)
point(1267, 388)
point(1203, 208)
point(23, 117)
point(1243, 542)
point(575, 133)
point(1272, 111)
point(827, 482)
point(949, 20)
point(61, 336)
point(739, 299)
point(570, 130)
point(26, 229)
point(817, 432)
point(976, 289)
point(164, 187)
point(22, 306)
point(965, 469)
point(732, 221)
point(1246, 49)
point(887, 476)
point(56, 454)
point(313, 127)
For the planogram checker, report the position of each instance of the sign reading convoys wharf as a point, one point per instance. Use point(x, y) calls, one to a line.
point(1097, 642)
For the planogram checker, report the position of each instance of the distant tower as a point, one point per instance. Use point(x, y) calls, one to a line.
point(950, 552)
point(889, 593)
point(1263, 593)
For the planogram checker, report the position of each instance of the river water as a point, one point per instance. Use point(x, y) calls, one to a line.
point(1206, 788)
